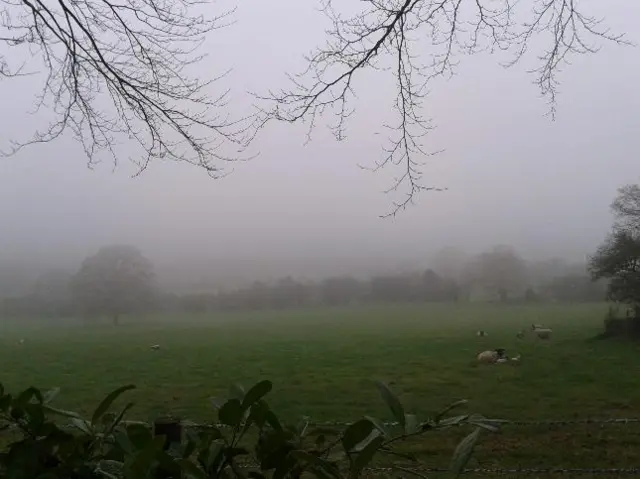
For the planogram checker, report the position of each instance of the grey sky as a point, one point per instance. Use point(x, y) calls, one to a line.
point(513, 175)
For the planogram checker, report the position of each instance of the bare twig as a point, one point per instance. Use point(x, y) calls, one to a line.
point(134, 54)
point(395, 30)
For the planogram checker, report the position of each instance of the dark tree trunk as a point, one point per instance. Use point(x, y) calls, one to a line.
point(503, 294)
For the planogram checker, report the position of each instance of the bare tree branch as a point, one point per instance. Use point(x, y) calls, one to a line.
point(133, 54)
point(404, 33)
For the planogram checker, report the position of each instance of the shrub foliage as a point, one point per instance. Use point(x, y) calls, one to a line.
point(249, 440)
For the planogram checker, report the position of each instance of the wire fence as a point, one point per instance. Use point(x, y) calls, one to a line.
point(420, 471)
point(496, 422)
point(494, 471)
point(414, 470)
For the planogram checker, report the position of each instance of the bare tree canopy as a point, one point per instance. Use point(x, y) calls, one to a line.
point(618, 257)
point(133, 54)
point(626, 209)
point(419, 40)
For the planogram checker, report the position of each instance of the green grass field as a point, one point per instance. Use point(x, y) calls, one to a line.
point(324, 363)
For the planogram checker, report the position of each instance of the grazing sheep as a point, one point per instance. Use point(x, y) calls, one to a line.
point(155, 347)
point(520, 334)
point(537, 326)
point(482, 333)
point(543, 333)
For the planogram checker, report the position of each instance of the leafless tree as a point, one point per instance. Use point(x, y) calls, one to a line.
point(402, 34)
point(626, 209)
point(119, 69)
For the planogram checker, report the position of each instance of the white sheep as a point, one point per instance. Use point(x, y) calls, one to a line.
point(488, 357)
point(482, 334)
point(155, 347)
point(520, 334)
point(541, 331)
point(491, 357)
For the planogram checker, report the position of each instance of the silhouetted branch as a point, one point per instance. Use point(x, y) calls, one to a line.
point(405, 32)
point(135, 54)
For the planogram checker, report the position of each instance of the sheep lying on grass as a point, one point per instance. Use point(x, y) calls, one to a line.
point(488, 357)
point(541, 331)
point(495, 356)
point(492, 356)
point(155, 347)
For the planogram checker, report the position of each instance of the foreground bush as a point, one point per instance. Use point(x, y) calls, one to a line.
point(249, 440)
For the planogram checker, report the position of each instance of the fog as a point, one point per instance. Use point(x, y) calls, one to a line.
point(513, 176)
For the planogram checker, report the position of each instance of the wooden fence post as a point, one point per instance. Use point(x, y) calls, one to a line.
point(171, 429)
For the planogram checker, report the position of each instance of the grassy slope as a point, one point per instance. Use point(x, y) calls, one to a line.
point(323, 363)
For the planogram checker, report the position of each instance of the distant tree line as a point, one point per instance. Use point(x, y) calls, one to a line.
point(118, 280)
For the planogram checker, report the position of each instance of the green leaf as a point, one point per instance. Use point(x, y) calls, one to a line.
point(140, 464)
point(451, 406)
point(50, 395)
point(463, 452)
point(231, 413)
point(364, 457)
point(118, 419)
point(61, 412)
point(189, 448)
point(273, 420)
point(302, 428)
point(5, 402)
point(139, 435)
point(236, 391)
point(319, 464)
point(256, 393)
point(378, 424)
point(107, 475)
point(108, 401)
point(190, 469)
point(325, 430)
point(392, 402)
point(411, 423)
point(25, 396)
point(109, 469)
point(258, 413)
point(453, 421)
point(232, 452)
point(35, 415)
point(82, 425)
point(481, 421)
point(123, 441)
point(356, 433)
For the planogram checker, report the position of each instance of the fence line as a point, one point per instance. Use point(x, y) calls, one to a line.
point(631, 471)
point(497, 422)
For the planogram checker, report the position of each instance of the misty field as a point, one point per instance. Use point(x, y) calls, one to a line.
point(323, 364)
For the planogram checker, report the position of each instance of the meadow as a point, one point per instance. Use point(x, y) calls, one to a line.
point(324, 362)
